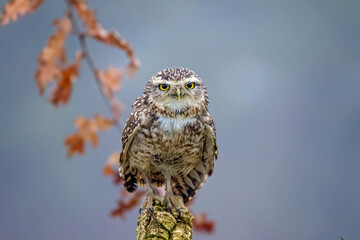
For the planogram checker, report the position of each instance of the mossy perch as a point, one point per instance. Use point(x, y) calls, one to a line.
point(163, 225)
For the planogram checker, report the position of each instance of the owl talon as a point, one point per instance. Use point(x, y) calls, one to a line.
point(150, 211)
point(140, 211)
point(179, 211)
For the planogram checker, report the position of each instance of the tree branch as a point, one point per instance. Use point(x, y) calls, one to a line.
point(90, 62)
point(162, 224)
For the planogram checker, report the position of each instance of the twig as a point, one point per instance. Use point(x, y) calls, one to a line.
point(83, 44)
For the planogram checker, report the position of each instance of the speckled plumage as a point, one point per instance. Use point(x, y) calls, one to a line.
point(169, 139)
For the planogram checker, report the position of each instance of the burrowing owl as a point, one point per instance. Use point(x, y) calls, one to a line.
point(169, 137)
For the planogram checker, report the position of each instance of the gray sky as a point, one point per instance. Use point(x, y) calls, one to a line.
point(283, 81)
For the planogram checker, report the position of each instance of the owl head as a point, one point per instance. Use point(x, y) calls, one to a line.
point(176, 90)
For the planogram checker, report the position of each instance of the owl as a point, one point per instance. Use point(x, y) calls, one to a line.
point(169, 138)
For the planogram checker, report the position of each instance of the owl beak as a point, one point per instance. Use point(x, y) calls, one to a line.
point(178, 94)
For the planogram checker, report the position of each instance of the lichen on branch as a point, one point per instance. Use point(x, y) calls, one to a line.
point(161, 224)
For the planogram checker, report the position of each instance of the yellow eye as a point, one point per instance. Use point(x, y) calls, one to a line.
point(190, 85)
point(163, 87)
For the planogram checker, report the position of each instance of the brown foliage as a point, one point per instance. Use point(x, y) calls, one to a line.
point(85, 13)
point(202, 224)
point(112, 39)
point(87, 130)
point(127, 202)
point(61, 93)
point(13, 8)
point(96, 31)
point(53, 56)
point(110, 80)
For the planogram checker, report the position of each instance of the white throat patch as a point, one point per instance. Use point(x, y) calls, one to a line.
point(174, 124)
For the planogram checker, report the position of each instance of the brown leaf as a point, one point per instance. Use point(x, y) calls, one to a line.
point(102, 123)
point(95, 30)
point(116, 108)
point(127, 202)
point(75, 144)
point(86, 14)
point(116, 178)
point(132, 67)
point(113, 39)
point(61, 93)
point(110, 80)
point(108, 170)
point(53, 55)
point(113, 160)
point(87, 130)
point(202, 224)
point(13, 8)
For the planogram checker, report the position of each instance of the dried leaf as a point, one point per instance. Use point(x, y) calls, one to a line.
point(102, 123)
point(87, 130)
point(202, 224)
point(127, 202)
point(61, 93)
point(113, 160)
point(108, 170)
point(110, 80)
point(113, 39)
point(111, 167)
point(13, 8)
point(116, 108)
point(132, 67)
point(53, 55)
point(116, 178)
point(86, 14)
point(75, 144)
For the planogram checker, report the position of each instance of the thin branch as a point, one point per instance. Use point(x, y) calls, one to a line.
point(83, 44)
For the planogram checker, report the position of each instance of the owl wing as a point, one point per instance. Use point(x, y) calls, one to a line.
point(210, 147)
point(188, 185)
point(127, 174)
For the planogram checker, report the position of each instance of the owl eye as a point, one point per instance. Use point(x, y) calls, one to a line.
point(190, 85)
point(163, 87)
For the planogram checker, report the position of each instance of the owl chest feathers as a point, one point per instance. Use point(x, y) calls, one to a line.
point(172, 125)
point(169, 145)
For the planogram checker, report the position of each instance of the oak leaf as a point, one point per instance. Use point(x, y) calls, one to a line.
point(113, 160)
point(87, 130)
point(113, 39)
point(110, 80)
point(202, 224)
point(111, 167)
point(102, 123)
point(96, 31)
point(13, 8)
point(116, 108)
point(53, 55)
point(61, 93)
point(85, 13)
point(75, 144)
point(108, 170)
point(127, 202)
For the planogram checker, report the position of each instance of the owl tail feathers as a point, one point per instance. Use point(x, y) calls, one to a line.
point(187, 186)
point(130, 182)
point(128, 178)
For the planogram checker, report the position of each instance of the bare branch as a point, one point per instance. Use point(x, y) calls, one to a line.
point(90, 62)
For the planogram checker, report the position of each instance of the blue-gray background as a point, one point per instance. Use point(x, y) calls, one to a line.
point(284, 85)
